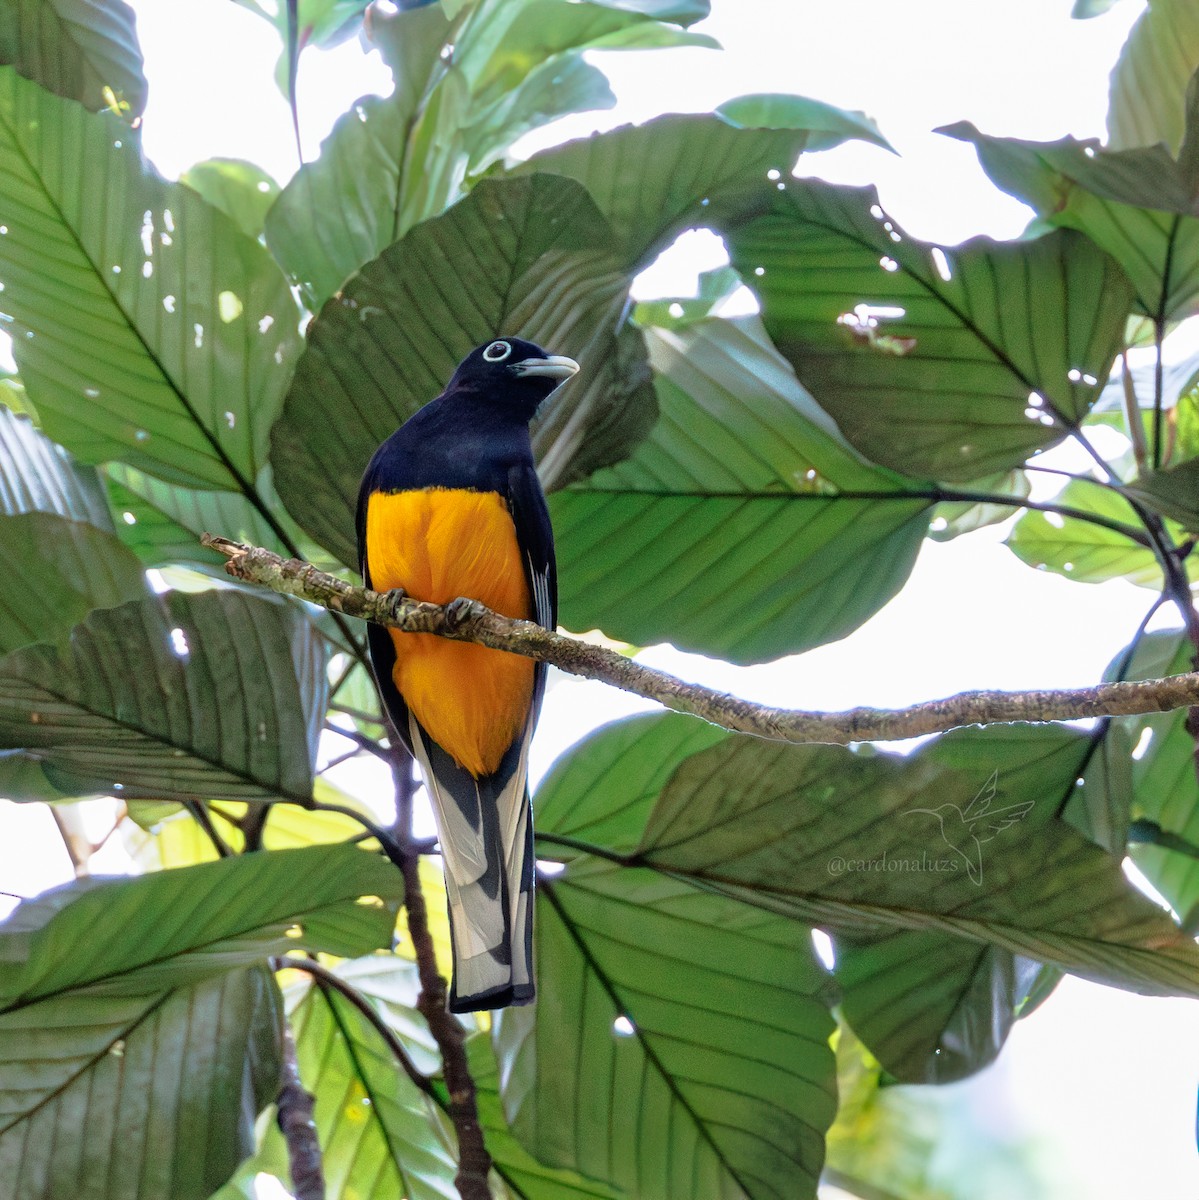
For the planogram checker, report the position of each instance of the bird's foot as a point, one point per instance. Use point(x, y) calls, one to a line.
point(461, 612)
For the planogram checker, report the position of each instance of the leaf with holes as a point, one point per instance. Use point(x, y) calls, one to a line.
point(533, 257)
point(81, 49)
point(627, 960)
point(466, 88)
point(682, 164)
point(226, 700)
point(751, 526)
point(153, 1093)
point(1138, 205)
point(941, 364)
point(147, 327)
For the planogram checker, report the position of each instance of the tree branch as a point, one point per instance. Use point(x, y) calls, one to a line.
point(474, 1161)
point(295, 1106)
point(467, 620)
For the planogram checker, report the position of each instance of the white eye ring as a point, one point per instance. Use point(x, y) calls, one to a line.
point(497, 352)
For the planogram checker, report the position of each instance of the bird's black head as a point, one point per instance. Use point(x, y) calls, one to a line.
point(512, 373)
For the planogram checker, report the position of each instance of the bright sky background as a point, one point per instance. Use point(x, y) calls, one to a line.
point(1104, 1082)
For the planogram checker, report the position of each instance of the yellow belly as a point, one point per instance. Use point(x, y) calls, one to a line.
point(437, 545)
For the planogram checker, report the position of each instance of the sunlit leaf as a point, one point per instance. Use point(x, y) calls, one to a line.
point(1149, 81)
point(140, 934)
point(85, 50)
point(147, 328)
point(241, 190)
point(377, 1130)
point(1087, 550)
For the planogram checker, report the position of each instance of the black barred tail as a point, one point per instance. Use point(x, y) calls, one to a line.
point(485, 827)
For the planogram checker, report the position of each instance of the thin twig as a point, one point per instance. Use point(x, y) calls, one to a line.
point(359, 739)
point(474, 1161)
point(327, 980)
point(358, 714)
point(1132, 415)
point(199, 814)
point(467, 620)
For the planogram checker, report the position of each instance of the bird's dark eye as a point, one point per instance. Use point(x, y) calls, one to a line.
point(497, 352)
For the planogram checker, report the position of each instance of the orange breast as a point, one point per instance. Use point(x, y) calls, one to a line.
point(437, 545)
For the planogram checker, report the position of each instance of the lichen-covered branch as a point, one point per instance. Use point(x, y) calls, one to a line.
point(467, 620)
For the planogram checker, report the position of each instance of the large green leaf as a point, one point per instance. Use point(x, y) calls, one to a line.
point(931, 1008)
point(467, 86)
point(808, 830)
point(694, 1035)
point(60, 557)
point(683, 164)
point(147, 327)
point(947, 364)
point(749, 525)
point(207, 695)
point(162, 522)
point(147, 1095)
point(1164, 786)
point(379, 1134)
point(1174, 493)
point(522, 1176)
point(85, 50)
point(38, 476)
point(528, 256)
point(602, 789)
point(1149, 82)
point(144, 933)
point(342, 210)
point(55, 572)
point(1138, 205)
point(1084, 550)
